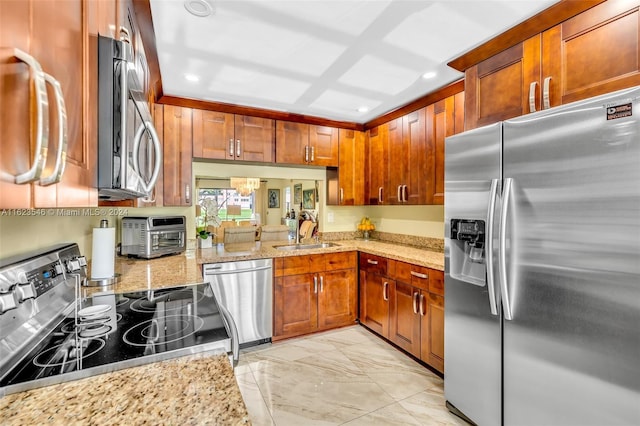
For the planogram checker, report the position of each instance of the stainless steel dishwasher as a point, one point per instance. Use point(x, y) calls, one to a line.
point(245, 289)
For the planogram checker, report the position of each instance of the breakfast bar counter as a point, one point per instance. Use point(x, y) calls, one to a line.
point(192, 390)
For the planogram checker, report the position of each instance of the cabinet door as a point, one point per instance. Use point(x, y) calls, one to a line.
point(432, 351)
point(337, 298)
point(177, 156)
point(295, 305)
point(404, 317)
point(254, 139)
point(351, 168)
point(397, 166)
point(378, 152)
point(498, 88)
point(583, 60)
point(448, 119)
point(16, 129)
point(60, 51)
point(291, 140)
point(323, 146)
point(419, 172)
point(213, 135)
point(374, 302)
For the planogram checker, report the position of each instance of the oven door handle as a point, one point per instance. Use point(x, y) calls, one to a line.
point(148, 127)
point(230, 324)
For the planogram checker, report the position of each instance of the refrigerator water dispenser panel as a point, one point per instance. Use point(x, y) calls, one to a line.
point(467, 251)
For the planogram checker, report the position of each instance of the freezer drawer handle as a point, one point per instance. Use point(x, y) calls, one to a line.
point(491, 282)
point(419, 275)
point(502, 250)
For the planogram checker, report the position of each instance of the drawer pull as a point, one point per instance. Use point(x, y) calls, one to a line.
point(419, 275)
point(372, 262)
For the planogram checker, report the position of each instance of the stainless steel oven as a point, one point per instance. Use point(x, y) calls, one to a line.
point(129, 151)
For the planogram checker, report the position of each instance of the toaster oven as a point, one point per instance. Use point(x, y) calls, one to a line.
point(153, 236)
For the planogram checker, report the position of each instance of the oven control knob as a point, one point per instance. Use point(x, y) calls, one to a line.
point(22, 278)
point(25, 291)
point(82, 261)
point(73, 265)
point(8, 301)
point(59, 269)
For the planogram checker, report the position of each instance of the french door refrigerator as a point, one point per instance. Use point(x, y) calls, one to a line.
point(542, 267)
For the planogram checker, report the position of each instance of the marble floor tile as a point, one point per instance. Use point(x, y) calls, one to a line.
point(345, 376)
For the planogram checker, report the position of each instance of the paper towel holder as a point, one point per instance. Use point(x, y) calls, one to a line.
point(102, 282)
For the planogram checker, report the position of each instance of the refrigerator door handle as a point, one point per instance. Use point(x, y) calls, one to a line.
point(491, 282)
point(502, 250)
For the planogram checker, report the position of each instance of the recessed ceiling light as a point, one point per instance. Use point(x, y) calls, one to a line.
point(201, 8)
point(363, 109)
point(191, 77)
point(428, 75)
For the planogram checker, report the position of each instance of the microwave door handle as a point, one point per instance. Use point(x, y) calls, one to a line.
point(124, 96)
point(61, 157)
point(147, 126)
point(42, 119)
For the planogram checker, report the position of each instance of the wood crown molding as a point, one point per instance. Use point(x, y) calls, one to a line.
point(544, 20)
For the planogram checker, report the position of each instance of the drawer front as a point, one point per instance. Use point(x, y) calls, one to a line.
point(344, 260)
point(421, 277)
point(403, 272)
point(373, 263)
point(436, 282)
point(295, 265)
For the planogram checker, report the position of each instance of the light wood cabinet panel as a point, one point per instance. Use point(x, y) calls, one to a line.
point(377, 146)
point(404, 329)
point(254, 138)
point(419, 173)
point(291, 140)
point(296, 305)
point(337, 298)
point(177, 156)
point(447, 120)
point(374, 302)
point(433, 331)
point(323, 146)
point(398, 163)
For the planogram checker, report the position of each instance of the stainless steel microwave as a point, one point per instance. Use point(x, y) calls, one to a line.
point(129, 150)
point(153, 236)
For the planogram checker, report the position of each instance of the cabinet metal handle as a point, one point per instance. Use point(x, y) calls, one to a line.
point(124, 35)
point(419, 275)
point(399, 190)
point(372, 262)
point(313, 153)
point(230, 147)
point(306, 153)
point(238, 151)
point(532, 96)
point(341, 195)
point(380, 195)
point(42, 119)
point(321, 283)
point(405, 193)
point(545, 93)
point(385, 291)
point(423, 310)
point(415, 302)
point(61, 156)
point(187, 193)
point(315, 284)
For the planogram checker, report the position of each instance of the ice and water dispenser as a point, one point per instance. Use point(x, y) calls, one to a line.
point(467, 256)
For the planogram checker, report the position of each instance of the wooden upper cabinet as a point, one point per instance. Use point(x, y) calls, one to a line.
point(593, 53)
point(323, 146)
point(376, 171)
point(346, 187)
point(177, 155)
point(397, 164)
point(292, 140)
point(64, 52)
point(571, 61)
point(222, 136)
point(447, 119)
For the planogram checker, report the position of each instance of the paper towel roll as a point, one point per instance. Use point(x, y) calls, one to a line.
point(103, 254)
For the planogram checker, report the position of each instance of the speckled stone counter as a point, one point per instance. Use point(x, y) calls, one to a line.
point(193, 390)
point(260, 250)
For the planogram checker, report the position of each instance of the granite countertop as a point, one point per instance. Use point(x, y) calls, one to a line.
point(192, 390)
point(261, 250)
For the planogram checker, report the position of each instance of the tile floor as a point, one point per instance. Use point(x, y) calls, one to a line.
point(342, 377)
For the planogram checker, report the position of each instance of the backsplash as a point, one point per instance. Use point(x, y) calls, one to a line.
point(434, 244)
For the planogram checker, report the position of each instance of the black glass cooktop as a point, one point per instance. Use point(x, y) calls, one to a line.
point(144, 327)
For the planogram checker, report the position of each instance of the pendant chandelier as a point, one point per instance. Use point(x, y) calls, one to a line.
point(244, 185)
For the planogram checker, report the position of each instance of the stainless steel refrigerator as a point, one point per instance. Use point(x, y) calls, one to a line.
point(542, 267)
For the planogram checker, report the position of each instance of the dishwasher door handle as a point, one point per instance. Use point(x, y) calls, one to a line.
point(217, 271)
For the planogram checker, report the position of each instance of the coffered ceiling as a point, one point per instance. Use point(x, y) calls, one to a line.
point(345, 60)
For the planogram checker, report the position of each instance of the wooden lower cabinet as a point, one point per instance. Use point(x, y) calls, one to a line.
point(432, 336)
point(374, 302)
point(404, 317)
point(314, 293)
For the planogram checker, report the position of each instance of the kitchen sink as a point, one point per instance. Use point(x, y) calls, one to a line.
point(305, 246)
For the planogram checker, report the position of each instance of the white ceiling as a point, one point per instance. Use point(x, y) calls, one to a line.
point(323, 58)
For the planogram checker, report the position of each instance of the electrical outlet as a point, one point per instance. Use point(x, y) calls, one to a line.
point(330, 217)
